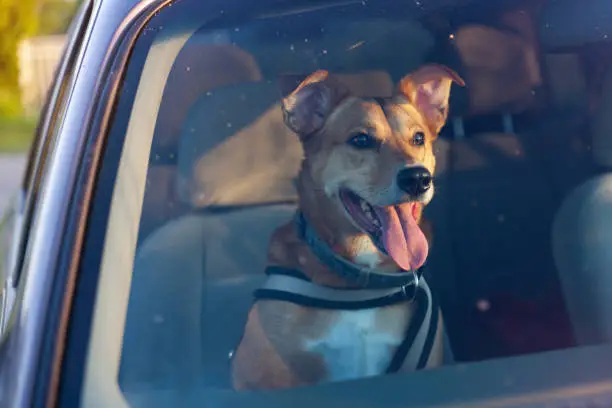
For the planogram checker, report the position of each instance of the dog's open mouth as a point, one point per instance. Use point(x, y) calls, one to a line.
point(394, 229)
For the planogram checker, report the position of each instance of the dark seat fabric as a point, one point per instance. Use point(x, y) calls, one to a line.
point(492, 219)
point(492, 215)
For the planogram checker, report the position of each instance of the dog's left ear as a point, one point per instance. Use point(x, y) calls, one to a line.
point(306, 109)
point(428, 89)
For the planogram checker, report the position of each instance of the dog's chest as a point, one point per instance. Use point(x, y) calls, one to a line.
point(360, 343)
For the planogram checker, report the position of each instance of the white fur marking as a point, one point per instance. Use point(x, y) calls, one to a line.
point(367, 253)
point(428, 196)
point(354, 347)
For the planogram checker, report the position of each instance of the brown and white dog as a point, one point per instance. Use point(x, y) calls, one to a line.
point(366, 175)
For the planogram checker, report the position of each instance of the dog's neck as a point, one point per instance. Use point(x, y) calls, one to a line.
point(333, 227)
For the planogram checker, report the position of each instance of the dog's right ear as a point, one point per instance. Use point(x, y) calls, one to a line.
point(428, 89)
point(306, 109)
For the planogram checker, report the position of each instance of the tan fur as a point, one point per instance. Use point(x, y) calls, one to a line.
point(272, 353)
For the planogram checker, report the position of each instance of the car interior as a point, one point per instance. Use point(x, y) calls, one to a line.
point(521, 166)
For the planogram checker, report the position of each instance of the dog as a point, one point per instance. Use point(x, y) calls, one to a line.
point(356, 243)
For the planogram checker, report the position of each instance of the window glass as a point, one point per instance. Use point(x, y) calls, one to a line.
point(401, 186)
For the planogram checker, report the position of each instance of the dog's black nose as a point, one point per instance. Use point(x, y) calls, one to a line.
point(414, 180)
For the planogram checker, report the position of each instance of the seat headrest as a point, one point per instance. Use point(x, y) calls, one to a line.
point(235, 148)
point(499, 68)
point(199, 67)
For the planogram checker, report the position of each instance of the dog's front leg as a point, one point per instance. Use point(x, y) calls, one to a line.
point(259, 363)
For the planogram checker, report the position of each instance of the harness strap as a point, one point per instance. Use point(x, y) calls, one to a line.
point(287, 285)
point(378, 289)
point(413, 353)
point(415, 350)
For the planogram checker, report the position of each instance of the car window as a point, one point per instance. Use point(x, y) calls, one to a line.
point(308, 195)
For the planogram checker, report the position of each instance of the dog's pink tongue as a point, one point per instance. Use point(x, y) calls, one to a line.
point(402, 237)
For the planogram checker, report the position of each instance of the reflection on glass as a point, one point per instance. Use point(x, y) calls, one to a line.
point(400, 186)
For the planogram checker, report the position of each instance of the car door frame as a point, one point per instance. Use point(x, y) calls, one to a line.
point(22, 208)
point(28, 308)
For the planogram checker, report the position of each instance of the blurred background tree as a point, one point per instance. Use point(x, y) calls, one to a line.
point(55, 16)
point(18, 19)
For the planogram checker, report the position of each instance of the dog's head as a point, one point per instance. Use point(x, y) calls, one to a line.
point(374, 158)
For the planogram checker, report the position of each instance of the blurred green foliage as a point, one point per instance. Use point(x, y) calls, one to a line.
point(55, 16)
point(18, 19)
point(16, 134)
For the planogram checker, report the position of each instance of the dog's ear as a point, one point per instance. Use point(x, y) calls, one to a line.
point(306, 109)
point(428, 89)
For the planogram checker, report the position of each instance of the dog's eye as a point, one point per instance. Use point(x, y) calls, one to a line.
point(418, 139)
point(363, 141)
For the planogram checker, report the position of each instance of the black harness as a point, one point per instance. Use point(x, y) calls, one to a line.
point(376, 289)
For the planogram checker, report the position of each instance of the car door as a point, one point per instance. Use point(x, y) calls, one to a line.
point(15, 224)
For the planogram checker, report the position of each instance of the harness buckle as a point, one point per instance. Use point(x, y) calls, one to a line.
point(407, 294)
point(410, 295)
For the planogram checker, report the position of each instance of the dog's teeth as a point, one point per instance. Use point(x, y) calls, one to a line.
point(369, 212)
point(371, 216)
point(365, 206)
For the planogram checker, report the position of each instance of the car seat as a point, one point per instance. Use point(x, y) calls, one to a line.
point(582, 237)
point(223, 64)
point(494, 208)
